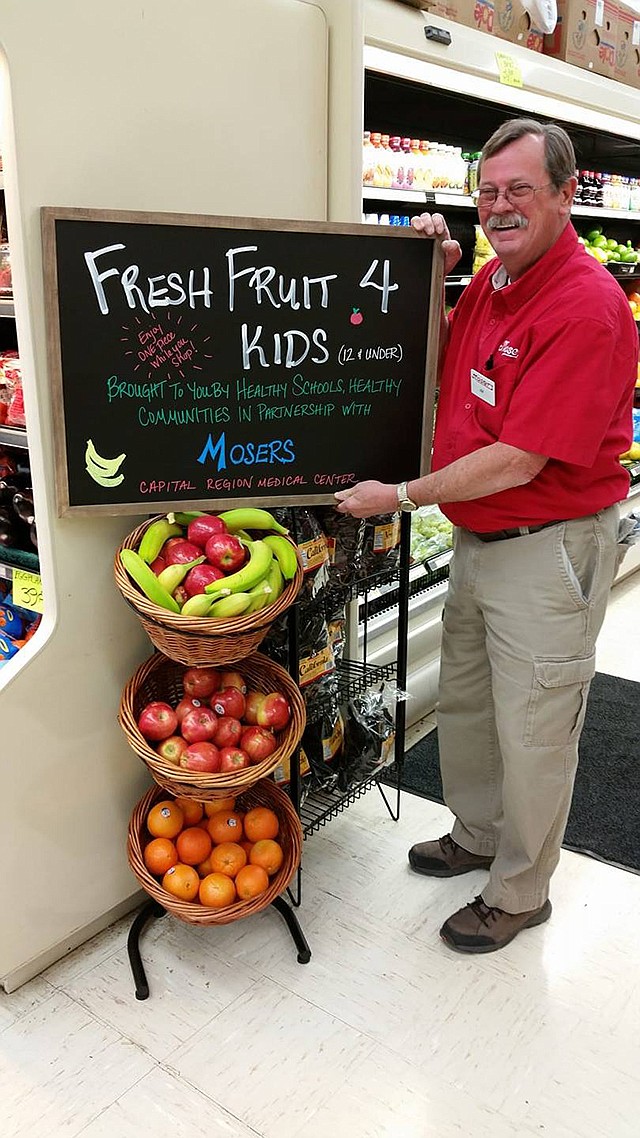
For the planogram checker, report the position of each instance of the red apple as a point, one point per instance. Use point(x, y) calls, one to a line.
point(258, 742)
point(185, 705)
point(254, 702)
point(233, 680)
point(172, 748)
point(157, 721)
point(168, 545)
point(233, 759)
point(200, 683)
point(274, 711)
point(225, 551)
point(158, 565)
point(201, 756)
point(228, 701)
point(199, 576)
point(227, 732)
point(198, 724)
point(201, 529)
point(182, 552)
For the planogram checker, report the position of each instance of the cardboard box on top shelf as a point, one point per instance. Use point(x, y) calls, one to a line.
point(627, 65)
point(476, 14)
point(580, 35)
point(512, 22)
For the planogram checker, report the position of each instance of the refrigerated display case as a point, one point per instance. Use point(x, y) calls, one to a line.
point(452, 94)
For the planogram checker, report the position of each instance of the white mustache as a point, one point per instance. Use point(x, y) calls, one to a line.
point(507, 221)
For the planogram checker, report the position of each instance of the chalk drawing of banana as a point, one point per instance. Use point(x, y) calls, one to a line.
point(104, 471)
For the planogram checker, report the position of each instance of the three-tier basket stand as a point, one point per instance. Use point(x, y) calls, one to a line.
point(180, 643)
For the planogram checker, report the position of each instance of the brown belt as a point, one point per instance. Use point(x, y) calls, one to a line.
point(519, 531)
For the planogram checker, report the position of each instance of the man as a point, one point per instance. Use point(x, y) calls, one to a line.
point(536, 392)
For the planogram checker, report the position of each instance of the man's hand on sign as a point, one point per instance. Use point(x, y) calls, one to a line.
point(367, 498)
point(434, 225)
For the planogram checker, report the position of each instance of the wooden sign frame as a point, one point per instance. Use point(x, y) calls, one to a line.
point(50, 216)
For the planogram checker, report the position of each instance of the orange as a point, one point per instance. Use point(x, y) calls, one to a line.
point(251, 882)
point(227, 858)
point(247, 847)
point(165, 819)
point(193, 845)
point(218, 804)
point(160, 855)
point(182, 881)
point(226, 827)
point(217, 891)
point(261, 822)
point(191, 809)
point(205, 867)
point(268, 854)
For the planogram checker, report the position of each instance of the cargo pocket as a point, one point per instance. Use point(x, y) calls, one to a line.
point(558, 700)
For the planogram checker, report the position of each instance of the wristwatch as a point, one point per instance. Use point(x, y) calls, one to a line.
point(405, 503)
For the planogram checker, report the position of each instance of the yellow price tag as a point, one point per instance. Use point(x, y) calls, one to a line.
point(27, 590)
point(508, 70)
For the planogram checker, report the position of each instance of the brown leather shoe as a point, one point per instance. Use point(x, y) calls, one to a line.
point(480, 928)
point(445, 858)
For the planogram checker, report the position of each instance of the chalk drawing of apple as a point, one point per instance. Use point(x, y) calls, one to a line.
point(356, 316)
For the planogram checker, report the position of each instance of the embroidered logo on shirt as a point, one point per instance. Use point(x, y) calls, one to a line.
point(506, 349)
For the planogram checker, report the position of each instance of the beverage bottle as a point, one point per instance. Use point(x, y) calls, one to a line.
point(407, 163)
point(416, 165)
point(368, 153)
point(425, 164)
point(396, 163)
point(436, 165)
point(378, 159)
point(387, 172)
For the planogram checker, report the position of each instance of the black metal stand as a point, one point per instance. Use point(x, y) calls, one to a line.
point(151, 910)
point(403, 650)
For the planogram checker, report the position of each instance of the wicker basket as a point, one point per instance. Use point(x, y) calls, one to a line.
point(199, 640)
point(290, 838)
point(161, 679)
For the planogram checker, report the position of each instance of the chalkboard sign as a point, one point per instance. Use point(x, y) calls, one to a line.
point(211, 361)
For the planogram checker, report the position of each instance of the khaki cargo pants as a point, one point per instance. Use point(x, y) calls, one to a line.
point(518, 654)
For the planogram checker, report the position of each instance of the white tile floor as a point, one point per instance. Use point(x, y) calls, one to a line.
point(384, 1034)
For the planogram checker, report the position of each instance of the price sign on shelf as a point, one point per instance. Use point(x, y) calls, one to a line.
point(508, 69)
point(27, 590)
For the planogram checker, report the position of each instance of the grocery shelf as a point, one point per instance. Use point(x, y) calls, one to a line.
point(457, 281)
point(440, 197)
point(14, 437)
point(7, 307)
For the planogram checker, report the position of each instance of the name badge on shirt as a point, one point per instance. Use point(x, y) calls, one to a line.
point(483, 387)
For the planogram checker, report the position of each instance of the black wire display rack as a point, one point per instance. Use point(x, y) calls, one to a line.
point(355, 677)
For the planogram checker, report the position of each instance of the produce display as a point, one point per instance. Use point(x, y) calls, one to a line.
point(219, 726)
point(211, 852)
point(608, 250)
point(17, 519)
point(431, 533)
point(213, 565)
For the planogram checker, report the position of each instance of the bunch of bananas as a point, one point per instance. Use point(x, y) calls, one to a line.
point(271, 562)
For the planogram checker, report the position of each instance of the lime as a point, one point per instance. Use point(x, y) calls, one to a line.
point(592, 234)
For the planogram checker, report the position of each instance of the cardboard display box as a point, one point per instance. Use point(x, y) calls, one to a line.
point(512, 22)
point(476, 14)
point(585, 35)
point(627, 64)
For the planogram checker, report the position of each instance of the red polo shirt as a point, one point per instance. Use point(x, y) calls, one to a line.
point(555, 354)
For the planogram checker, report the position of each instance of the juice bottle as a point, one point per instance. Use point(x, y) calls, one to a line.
point(387, 172)
point(377, 159)
point(407, 164)
point(426, 164)
point(416, 165)
point(368, 155)
point(396, 163)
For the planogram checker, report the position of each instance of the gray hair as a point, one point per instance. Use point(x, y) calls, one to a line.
point(559, 155)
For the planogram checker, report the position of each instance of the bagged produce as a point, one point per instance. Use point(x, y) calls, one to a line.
point(369, 735)
point(380, 545)
point(345, 540)
point(431, 533)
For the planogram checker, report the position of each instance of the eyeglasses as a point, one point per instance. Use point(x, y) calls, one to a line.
point(519, 194)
